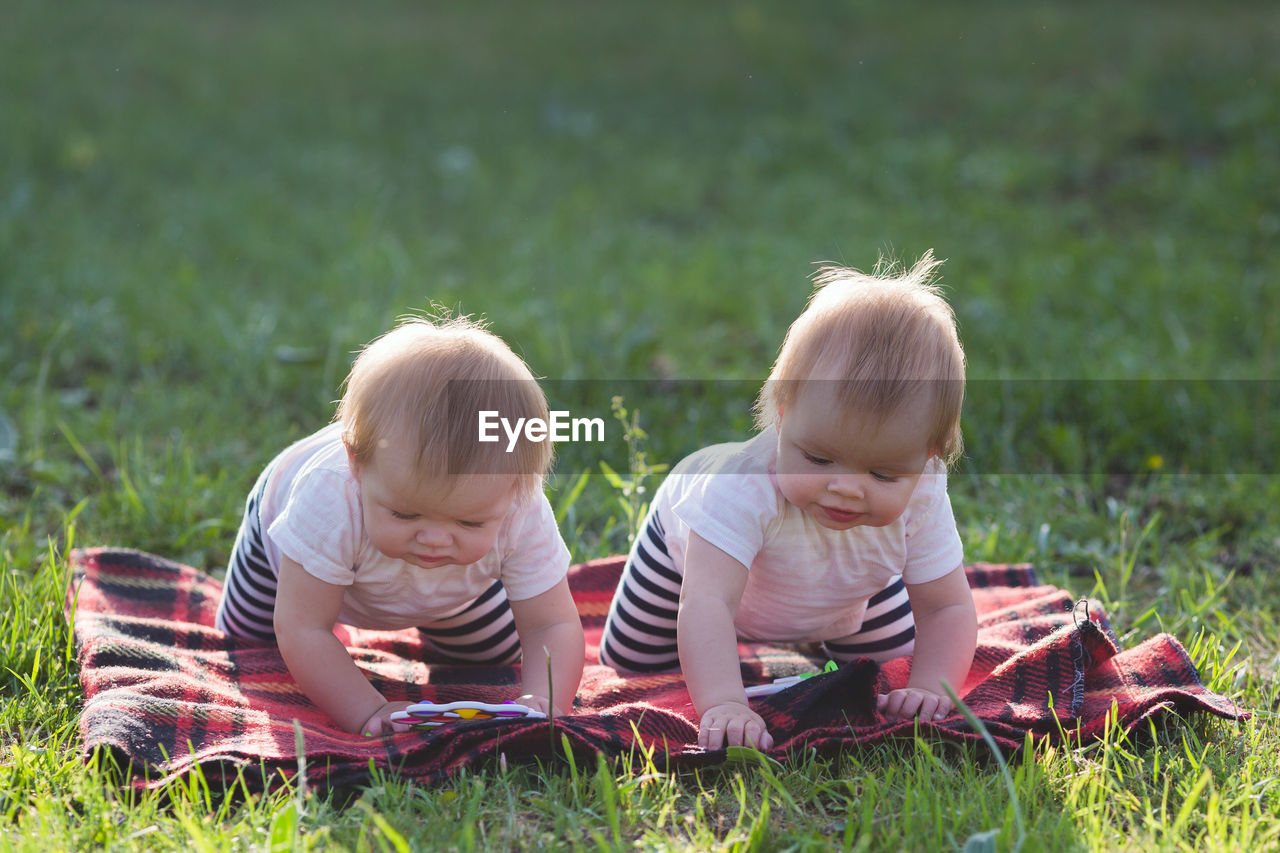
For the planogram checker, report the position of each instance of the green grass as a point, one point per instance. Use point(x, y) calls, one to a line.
point(205, 208)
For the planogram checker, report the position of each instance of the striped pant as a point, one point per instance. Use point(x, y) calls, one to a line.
point(482, 633)
point(640, 633)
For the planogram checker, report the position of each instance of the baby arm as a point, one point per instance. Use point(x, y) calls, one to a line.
point(946, 636)
point(548, 624)
point(709, 598)
point(306, 611)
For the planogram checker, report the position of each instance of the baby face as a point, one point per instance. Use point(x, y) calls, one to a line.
point(849, 470)
point(443, 521)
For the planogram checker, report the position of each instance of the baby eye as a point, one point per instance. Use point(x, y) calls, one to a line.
point(403, 516)
point(884, 478)
point(472, 525)
point(814, 460)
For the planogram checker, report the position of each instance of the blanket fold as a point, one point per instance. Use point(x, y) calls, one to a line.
point(167, 693)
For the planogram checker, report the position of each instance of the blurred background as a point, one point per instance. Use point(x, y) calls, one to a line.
point(206, 208)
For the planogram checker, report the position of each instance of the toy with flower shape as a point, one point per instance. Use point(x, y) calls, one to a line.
point(429, 715)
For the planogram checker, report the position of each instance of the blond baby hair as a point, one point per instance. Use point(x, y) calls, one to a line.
point(884, 338)
point(425, 383)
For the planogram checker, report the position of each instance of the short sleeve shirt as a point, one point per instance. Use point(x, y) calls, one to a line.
point(311, 513)
point(805, 582)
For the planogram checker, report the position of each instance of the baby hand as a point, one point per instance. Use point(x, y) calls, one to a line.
point(911, 702)
point(380, 723)
point(733, 724)
point(538, 703)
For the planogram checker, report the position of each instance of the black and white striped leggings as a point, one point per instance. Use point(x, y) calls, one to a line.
point(483, 633)
point(640, 633)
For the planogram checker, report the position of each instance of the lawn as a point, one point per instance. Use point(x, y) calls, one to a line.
point(205, 208)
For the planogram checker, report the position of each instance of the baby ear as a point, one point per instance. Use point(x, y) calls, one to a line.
point(352, 462)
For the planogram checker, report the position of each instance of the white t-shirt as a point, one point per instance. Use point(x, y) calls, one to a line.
point(310, 511)
point(805, 582)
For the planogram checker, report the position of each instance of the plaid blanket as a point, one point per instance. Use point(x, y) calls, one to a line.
point(165, 692)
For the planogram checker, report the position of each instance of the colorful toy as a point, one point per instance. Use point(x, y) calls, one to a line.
point(775, 686)
point(430, 715)
point(780, 684)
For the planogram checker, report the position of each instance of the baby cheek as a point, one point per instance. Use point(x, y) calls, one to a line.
point(901, 499)
point(485, 542)
point(795, 488)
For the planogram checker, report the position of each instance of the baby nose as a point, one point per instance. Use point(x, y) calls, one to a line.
point(433, 535)
point(846, 485)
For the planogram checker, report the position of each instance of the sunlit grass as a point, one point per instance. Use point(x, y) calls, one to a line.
point(205, 209)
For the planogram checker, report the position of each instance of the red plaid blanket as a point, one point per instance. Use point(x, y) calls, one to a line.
point(165, 692)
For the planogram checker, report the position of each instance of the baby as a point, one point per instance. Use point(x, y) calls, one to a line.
point(831, 525)
point(397, 516)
